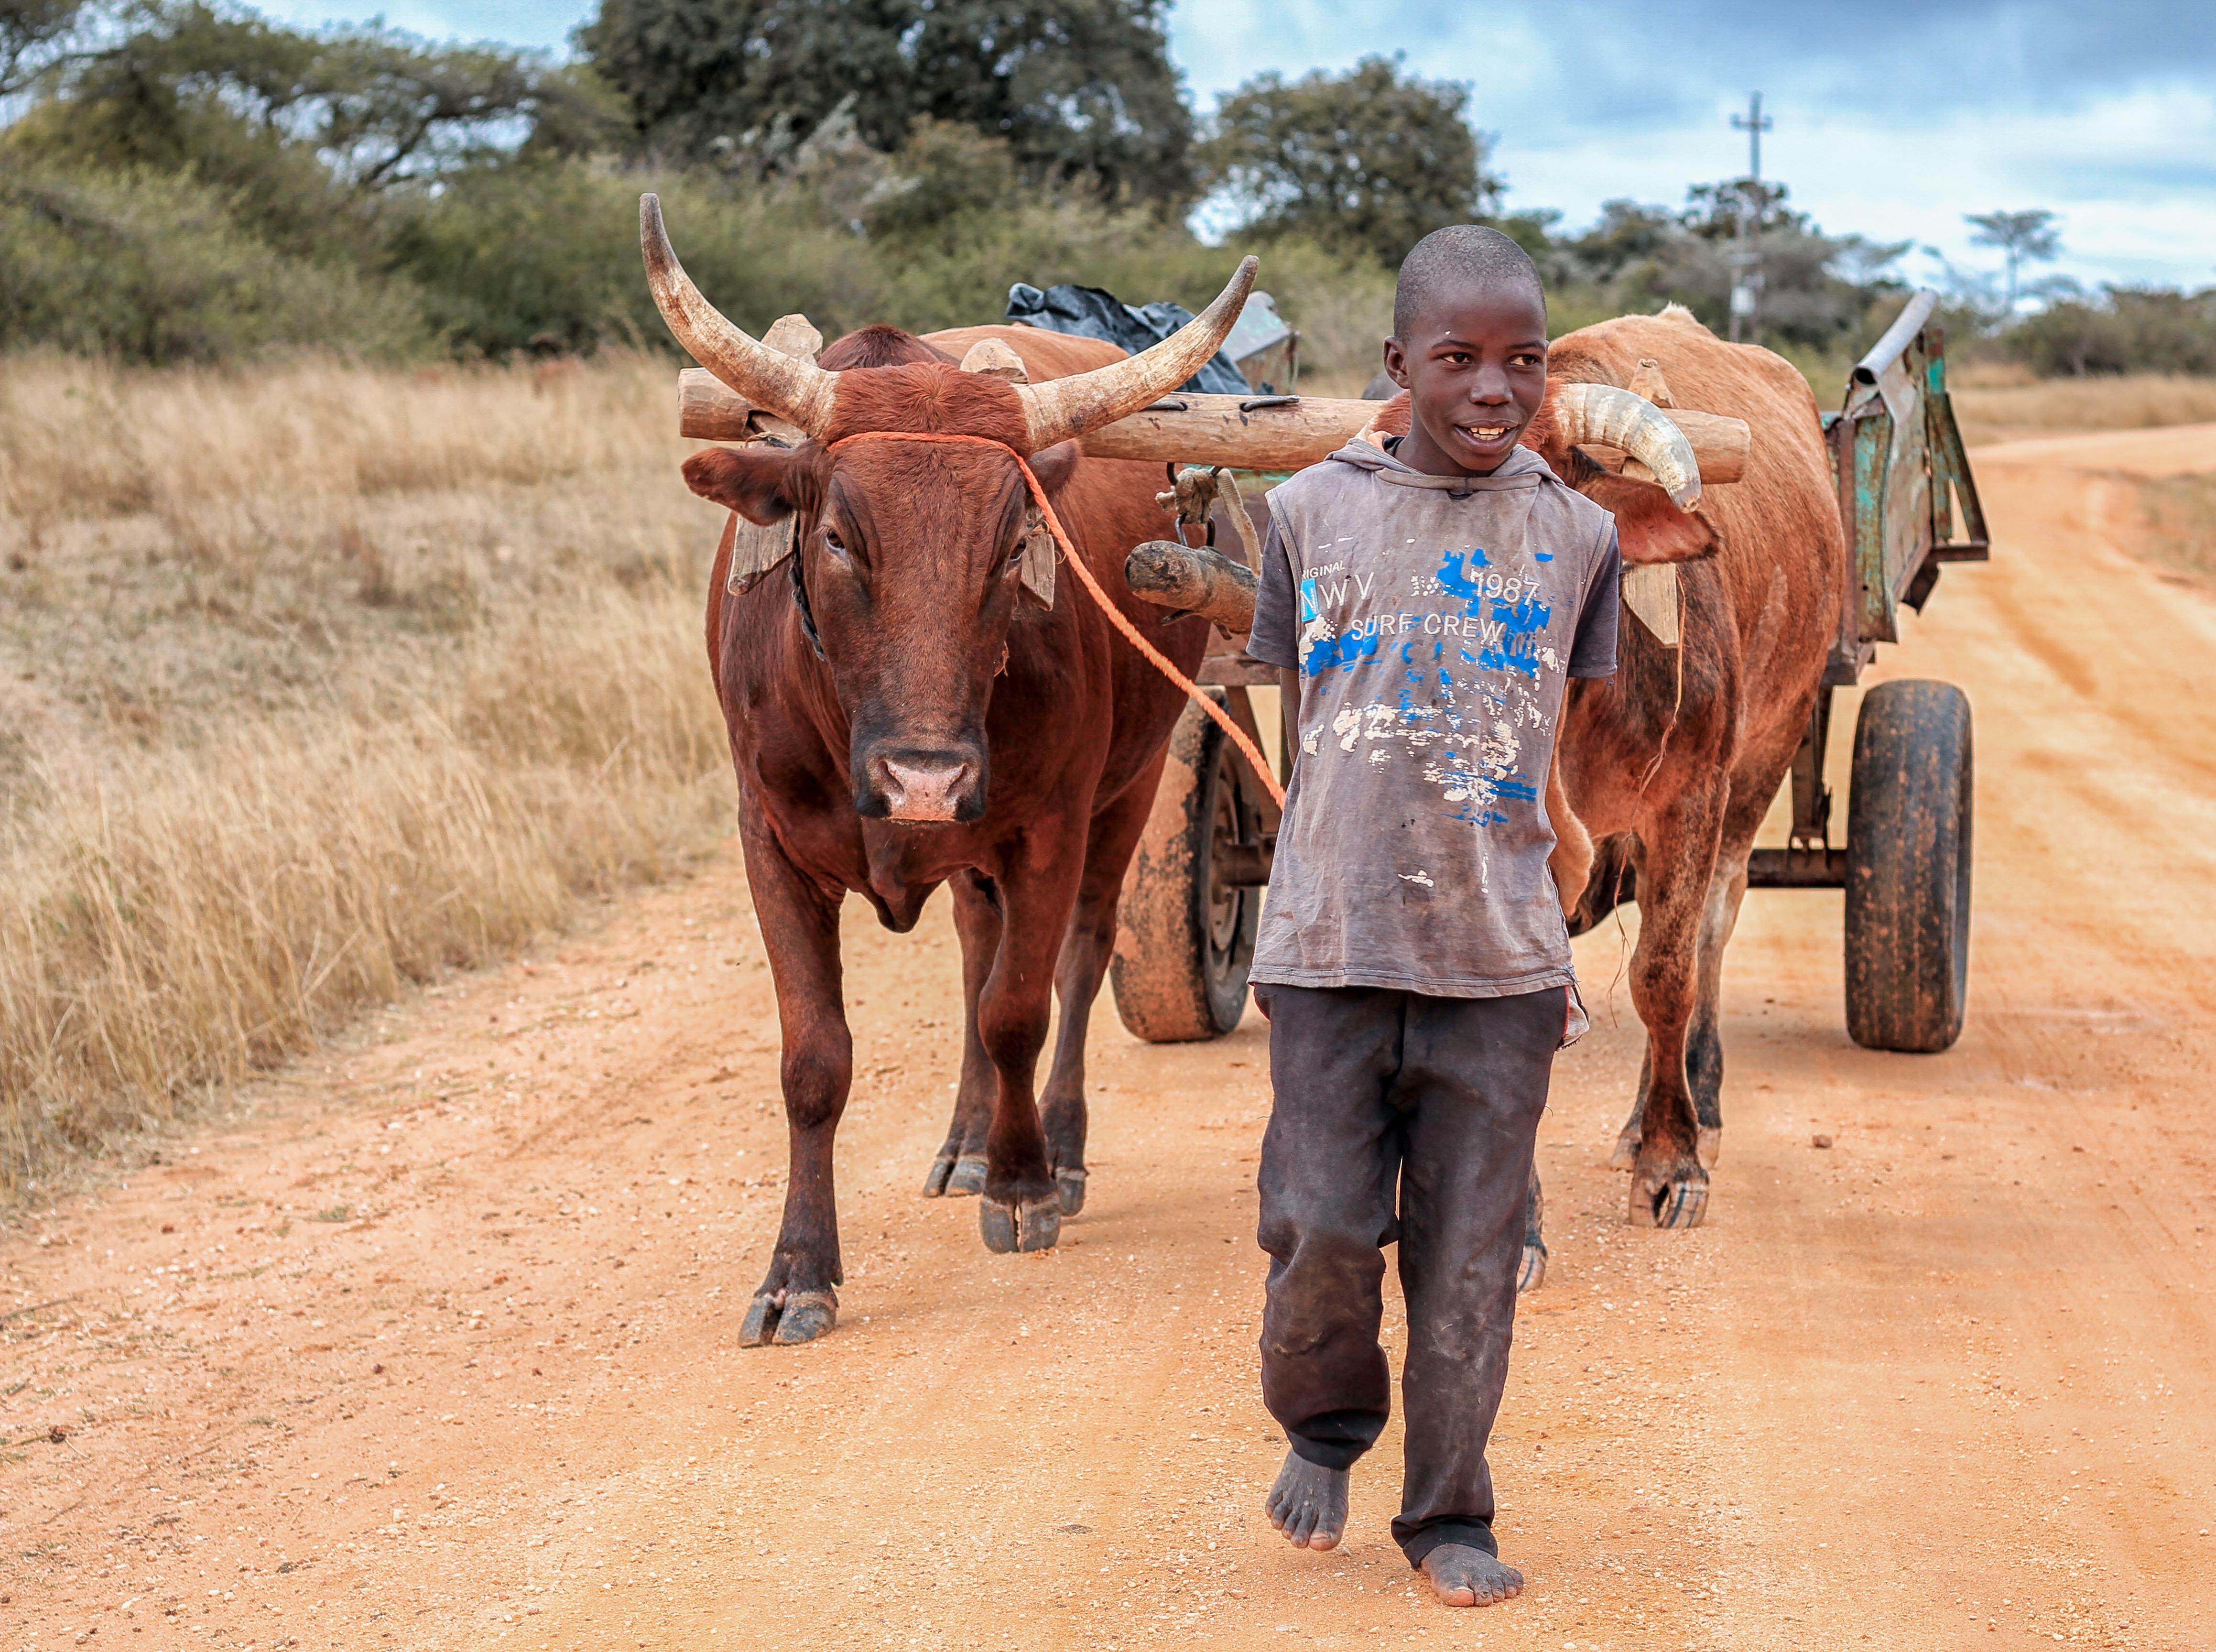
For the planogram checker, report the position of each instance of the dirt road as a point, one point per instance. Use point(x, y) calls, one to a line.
point(433, 1342)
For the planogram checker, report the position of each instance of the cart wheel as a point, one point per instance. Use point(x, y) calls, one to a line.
point(1908, 868)
point(1186, 938)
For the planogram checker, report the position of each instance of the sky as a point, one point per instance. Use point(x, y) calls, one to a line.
point(1892, 119)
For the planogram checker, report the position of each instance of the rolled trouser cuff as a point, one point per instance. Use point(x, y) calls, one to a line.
point(1340, 1454)
point(1471, 1534)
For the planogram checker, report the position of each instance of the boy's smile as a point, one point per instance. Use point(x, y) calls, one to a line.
point(1474, 367)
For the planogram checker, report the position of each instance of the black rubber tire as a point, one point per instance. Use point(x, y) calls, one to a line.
point(1184, 943)
point(1908, 868)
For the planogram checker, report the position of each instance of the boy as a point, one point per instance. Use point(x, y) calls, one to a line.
point(1426, 603)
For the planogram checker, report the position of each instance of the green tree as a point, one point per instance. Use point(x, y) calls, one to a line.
point(1817, 289)
point(1370, 157)
point(1082, 90)
point(32, 34)
point(302, 130)
point(2022, 237)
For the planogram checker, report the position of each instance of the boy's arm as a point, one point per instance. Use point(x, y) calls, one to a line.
point(1274, 639)
point(1592, 652)
point(1274, 636)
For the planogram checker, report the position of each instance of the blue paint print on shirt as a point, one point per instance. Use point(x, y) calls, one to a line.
point(1452, 579)
point(1520, 622)
point(1331, 651)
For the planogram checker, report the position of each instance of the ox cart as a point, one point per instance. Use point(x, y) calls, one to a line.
point(1193, 899)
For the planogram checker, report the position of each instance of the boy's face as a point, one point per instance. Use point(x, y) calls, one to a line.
point(1474, 367)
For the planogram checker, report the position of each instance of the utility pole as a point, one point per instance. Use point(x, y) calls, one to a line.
point(1746, 260)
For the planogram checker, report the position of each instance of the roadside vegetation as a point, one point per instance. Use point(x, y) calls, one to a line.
point(322, 680)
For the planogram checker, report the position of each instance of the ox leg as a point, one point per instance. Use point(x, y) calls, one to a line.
point(1021, 1209)
point(1627, 1139)
point(1084, 966)
point(960, 1167)
point(1704, 1050)
point(1669, 1187)
point(797, 1300)
point(1535, 1244)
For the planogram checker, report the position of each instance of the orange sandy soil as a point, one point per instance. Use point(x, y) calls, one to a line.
point(432, 1342)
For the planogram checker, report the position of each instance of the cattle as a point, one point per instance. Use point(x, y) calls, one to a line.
point(1664, 771)
point(909, 706)
point(1671, 765)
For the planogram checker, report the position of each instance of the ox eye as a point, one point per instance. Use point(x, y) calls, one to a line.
point(833, 542)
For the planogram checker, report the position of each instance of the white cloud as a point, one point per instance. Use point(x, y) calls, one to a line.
point(1589, 108)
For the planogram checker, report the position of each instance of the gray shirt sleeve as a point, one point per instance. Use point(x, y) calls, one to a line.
point(1592, 653)
point(1276, 638)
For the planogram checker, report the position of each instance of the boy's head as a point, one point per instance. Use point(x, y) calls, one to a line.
point(1469, 346)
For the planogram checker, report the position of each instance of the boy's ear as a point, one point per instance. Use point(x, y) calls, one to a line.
point(1396, 362)
point(763, 483)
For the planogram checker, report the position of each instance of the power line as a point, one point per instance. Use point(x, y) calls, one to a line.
point(1746, 260)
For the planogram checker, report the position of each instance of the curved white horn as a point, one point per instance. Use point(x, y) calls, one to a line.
point(1062, 408)
point(1601, 413)
point(795, 389)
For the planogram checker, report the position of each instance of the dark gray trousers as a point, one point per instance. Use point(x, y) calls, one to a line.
point(1399, 1117)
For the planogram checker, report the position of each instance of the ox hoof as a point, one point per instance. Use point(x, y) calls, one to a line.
point(1035, 1224)
point(1708, 1145)
point(785, 1317)
point(1675, 1201)
point(1069, 1187)
point(950, 1175)
point(1535, 1269)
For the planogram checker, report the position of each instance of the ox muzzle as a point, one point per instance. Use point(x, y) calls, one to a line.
point(942, 784)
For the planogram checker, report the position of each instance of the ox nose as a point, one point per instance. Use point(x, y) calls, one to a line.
point(928, 786)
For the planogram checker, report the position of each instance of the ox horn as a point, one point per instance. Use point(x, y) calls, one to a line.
point(1601, 413)
point(792, 387)
point(1062, 408)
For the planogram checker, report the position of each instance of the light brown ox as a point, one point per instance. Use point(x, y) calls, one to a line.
point(1669, 767)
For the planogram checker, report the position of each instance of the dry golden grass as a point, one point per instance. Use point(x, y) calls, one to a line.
point(2181, 519)
point(1989, 411)
point(313, 683)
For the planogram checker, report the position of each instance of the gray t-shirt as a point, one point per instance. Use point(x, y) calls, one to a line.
point(1434, 622)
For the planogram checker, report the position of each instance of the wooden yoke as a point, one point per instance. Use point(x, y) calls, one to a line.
point(1245, 433)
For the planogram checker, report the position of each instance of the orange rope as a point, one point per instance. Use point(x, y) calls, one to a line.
point(1116, 617)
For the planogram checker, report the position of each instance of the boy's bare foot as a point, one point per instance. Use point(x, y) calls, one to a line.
point(1462, 1576)
point(1309, 1504)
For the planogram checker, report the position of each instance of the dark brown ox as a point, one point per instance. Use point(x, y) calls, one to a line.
point(950, 729)
point(1669, 767)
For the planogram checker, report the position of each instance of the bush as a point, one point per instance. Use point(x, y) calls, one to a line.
point(155, 268)
point(2126, 330)
point(545, 255)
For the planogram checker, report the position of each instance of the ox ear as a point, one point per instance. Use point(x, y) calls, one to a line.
point(764, 483)
point(1054, 466)
point(1392, 418)
point(1649, 527)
